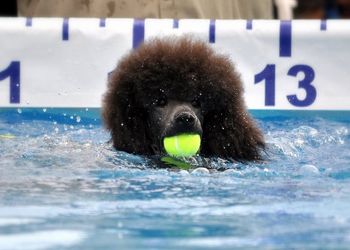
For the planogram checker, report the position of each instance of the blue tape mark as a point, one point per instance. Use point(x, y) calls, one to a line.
point(212, 31)
point(102, 22)
point(65, 29)
point(109, 75)
point(249, 25)
point(29, 22)
point(138, 32)
point(323, 25)
point(285, 39)
point(175, 23)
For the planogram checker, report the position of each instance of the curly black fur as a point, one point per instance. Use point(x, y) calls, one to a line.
point(181, 68)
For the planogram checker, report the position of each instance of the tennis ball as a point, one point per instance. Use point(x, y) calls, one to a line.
point(183, 145)
point(7, 136)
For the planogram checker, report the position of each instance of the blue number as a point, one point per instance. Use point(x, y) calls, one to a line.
point(268, 74)
point(309, 76)
point(13, 72)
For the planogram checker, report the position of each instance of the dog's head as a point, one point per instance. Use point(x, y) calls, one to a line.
point(173, 86)
point(169, 117)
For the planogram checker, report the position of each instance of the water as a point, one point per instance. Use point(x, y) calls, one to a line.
point(62, 186)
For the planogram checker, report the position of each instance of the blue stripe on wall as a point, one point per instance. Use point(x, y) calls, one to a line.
point(285, 39)
point(175, 23)
point(212, 31)
point(29, 22)
point(249, 25)
point(323, 25)
point(65, 29)
point(138, 32)
point(102, 22)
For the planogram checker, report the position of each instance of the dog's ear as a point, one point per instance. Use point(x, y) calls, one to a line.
point(126, 121)
point(230, 133)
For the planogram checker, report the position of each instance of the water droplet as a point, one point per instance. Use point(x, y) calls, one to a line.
point(184, 172)
point(44, 110)
point(233, 172)
point(200, 171)
point(19, 111)
point(78, 119)
point(309, 170)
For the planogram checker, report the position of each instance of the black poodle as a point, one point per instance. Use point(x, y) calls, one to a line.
point(179, 85)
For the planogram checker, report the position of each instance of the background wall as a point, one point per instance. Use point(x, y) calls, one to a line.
point(285, 65)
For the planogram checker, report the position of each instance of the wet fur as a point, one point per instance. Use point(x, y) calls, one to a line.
point(181, 68)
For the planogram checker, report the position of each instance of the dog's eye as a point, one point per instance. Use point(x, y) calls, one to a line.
point(160, 102)
point(196, 103)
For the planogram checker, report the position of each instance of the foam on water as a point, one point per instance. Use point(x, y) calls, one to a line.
point(64, 179)
point(41, 240)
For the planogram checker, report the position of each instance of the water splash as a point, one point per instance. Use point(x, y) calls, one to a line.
point(57, 176)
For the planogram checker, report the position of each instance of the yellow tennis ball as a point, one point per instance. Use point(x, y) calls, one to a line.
point(7, 136)
point(183, 145)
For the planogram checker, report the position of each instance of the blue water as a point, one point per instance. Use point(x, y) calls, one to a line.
point(62, 186)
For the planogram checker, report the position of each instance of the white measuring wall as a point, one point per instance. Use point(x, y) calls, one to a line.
point(284, 65)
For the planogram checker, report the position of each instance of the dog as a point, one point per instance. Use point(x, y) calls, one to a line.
point(179, 85)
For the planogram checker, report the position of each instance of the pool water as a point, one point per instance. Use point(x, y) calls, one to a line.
point(62, 186)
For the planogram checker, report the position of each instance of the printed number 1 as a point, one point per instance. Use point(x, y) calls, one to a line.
point(13, 72)
point(269, 75)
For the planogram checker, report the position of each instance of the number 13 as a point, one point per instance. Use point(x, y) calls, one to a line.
point(269, 75)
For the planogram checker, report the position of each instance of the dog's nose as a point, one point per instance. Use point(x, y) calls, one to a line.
point(185, 119)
